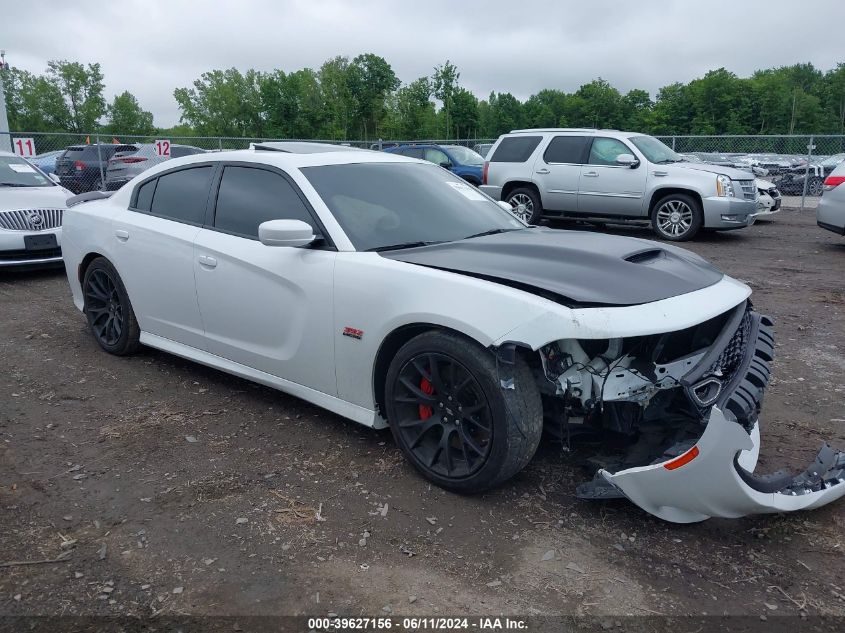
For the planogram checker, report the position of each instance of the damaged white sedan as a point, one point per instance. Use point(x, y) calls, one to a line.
point(389, 291)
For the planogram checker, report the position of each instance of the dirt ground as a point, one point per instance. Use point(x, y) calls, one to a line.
point(168, 488)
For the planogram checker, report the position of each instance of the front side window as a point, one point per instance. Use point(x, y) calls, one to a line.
point(412, 152)
point(382, 205)
point(566, 149)
point(605, 151)
point(18, 172)
point(182, 195)
point(436, 156)
point(250, 196)
point(465, 156)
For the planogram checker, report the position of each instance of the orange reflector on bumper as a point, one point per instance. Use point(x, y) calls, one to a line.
point(684, 459)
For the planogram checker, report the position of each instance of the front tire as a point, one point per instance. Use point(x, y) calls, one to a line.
point(677, 217)
point(815, 187)
point(452, 419)
point(108, 309)
point(526, 204)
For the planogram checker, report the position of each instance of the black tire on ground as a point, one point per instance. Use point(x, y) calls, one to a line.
point(677, 217)
point(526, 204)
point(108, 309)
point(815, 186)
point(453, 421)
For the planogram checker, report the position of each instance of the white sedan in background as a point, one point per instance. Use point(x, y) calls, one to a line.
point(391, 292)
point(31, 208)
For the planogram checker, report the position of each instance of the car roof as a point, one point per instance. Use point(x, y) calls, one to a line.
point(300, 147)
point(574, 130)
point(288, 160)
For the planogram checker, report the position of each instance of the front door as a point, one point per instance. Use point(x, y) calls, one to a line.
point(266, 307)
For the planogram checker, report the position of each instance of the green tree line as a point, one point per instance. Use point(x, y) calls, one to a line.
point(363, 99)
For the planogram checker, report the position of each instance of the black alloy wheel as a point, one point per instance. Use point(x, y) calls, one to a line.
point(444, 419)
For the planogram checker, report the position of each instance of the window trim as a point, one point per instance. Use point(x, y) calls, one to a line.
point(323, 240)
point(585, 151)
point(619, 140)
point(133, 201)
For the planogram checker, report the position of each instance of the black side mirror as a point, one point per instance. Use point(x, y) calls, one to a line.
point(446, 165)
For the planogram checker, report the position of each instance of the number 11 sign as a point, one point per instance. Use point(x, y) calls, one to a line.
point(24, 147)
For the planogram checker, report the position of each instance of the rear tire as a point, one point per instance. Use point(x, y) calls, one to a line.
point(815, 187)
point(452, 419)
point(677, 217)
point(526, 204)
point(108, 309)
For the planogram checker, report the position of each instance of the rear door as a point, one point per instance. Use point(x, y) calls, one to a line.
point(608, 189)
point(267, 307)
point(557, 172)
point(154, 252)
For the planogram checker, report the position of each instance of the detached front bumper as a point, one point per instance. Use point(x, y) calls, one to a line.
point(715, 478)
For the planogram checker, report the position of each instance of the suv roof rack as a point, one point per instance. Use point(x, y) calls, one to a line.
point(561, 129)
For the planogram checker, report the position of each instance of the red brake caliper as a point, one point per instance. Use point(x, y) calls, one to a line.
point(426, 411)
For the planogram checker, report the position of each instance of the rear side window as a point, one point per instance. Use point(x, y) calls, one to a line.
point(145, 195)
point(566, 149)
point(515, 149)
point(249, 196)
point(182, 195)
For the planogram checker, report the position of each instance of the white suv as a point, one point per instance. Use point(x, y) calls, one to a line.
point(616, 176)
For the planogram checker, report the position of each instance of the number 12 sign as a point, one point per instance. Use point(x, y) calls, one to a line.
point(24, 147)
point(163, 148)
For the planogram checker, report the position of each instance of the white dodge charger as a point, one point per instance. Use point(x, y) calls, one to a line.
point(391, 292)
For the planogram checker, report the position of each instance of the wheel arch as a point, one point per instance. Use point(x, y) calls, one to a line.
point(86, 262)
point(391, 344)
point(658, 194)
point(517, 184)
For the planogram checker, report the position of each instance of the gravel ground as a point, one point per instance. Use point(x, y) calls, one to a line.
point(168, 488)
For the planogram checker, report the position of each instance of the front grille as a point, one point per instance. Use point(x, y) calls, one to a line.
point(731, 357)
point(748, 188)
point(21, 254)
point(31, 219)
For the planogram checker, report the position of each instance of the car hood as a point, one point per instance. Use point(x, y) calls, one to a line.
point(574, 268)
point(32, 197)
point(730, 172)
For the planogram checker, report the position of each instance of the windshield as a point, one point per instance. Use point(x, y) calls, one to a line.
point(464, 155)
point(17, 172)
point(383, 205)
point(654, 150)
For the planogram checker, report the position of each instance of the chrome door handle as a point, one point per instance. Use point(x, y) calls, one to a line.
point(591, 174)
point(121, 235)
point(543, 171)
point(208, 262)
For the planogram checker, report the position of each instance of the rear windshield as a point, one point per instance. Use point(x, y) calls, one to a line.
point(105, 151)
point(515, 149)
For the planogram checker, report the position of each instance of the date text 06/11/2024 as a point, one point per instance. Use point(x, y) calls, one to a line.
point(416, 623)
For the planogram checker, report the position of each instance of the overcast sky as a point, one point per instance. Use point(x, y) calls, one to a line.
point(150, 47)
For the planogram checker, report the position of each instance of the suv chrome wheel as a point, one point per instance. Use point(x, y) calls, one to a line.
point(674, 218)
point(522, 206)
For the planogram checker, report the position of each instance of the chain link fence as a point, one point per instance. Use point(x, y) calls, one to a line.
point(796, 164)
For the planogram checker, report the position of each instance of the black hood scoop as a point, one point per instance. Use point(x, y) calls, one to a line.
point(576, 268)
